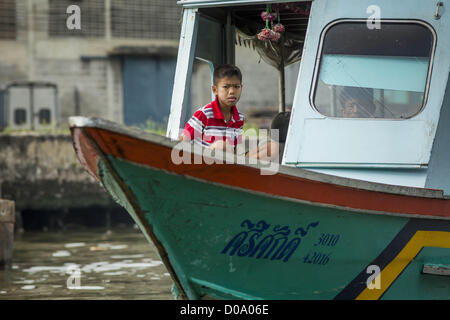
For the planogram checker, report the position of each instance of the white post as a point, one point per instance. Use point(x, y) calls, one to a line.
point(111, 114)
point(30, 40)
point(182, 82)
point(108, 20)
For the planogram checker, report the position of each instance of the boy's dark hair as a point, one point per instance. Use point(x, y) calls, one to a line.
point(226, 71)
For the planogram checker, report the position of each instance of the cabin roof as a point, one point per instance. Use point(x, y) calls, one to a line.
point(295, 23)
point(217, 3)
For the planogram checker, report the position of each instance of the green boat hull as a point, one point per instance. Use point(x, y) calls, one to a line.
point(198, 223)
point(224, 234)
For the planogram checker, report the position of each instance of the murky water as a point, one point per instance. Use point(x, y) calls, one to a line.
point(91, 264)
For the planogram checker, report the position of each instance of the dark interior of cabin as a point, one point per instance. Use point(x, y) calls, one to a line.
point(249, 27)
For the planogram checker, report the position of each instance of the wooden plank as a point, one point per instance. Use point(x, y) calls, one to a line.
point(7, 211)
point(7, 218)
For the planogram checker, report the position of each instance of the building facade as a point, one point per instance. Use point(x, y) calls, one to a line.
point(118, 63)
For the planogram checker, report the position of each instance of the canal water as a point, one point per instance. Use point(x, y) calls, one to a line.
point(88, 264)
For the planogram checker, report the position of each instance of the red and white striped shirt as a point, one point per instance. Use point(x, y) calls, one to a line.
point(208, 125)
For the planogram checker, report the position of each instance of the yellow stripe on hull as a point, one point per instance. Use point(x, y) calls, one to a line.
point(389, 274)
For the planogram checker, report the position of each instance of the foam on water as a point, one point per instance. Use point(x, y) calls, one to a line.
point(75, 245)
point(85, 265)
point(61, 253)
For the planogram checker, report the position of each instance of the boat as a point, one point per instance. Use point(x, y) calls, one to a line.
point(359, 206)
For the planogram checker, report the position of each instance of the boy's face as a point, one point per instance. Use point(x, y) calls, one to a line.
point(228, 90)
point(350, 109)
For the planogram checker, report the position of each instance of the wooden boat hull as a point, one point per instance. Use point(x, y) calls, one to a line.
point(225, 231)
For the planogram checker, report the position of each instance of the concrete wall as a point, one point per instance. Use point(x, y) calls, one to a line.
point(41, 172)
point(98, 82)
point(94, 68)
point(85, 63)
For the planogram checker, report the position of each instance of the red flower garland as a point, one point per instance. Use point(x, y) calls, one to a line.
point(274, 33)
point(278, 28)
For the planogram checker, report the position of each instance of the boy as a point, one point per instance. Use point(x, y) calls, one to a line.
point(219, 124)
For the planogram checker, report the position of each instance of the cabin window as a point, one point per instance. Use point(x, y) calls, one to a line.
point(20, 116)
point(44, 116)
point(373, 73)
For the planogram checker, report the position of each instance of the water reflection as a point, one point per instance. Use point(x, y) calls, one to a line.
point(90, 264)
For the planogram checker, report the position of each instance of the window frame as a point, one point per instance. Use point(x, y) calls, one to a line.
point(320, 54)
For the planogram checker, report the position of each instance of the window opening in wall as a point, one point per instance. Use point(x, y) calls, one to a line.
point(8, 19)
point(44, 116)
point(20, 116)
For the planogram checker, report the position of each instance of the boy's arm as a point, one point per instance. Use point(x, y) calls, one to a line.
point(194, 127)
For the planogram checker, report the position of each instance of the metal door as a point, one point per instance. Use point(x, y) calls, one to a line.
point(147, 85)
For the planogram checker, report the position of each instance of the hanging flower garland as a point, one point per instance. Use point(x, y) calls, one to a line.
point(274, 32)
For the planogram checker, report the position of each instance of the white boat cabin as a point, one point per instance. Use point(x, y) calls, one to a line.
point(372, 99)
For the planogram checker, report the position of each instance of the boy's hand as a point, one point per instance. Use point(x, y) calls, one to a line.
point(222, 145)
point(183, 138)
point(218, 145)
